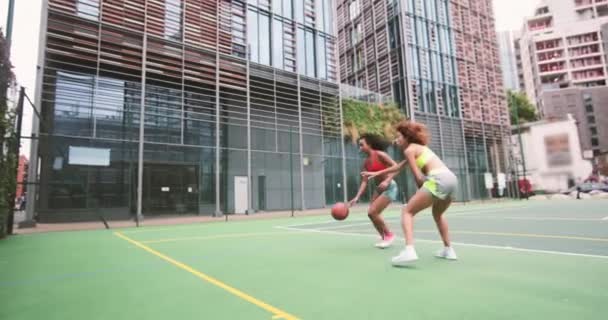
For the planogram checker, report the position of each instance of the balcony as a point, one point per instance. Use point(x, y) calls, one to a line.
point(541, 11)
point(553, 80)
point(553, 72)
point(583, 39)
point(552, 68)
point(584, 50)
point(540, 23)
point(602, 9)
point(586, 63)
point(555, 55)
point(582, 4)
point(588, 75)
point(548, 45)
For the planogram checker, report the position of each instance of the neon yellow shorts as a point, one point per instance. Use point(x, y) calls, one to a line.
point(441, 184)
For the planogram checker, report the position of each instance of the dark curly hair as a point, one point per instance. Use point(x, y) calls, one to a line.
point(414, 132)
point(375, 141)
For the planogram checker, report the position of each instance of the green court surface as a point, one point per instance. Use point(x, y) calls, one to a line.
point(518, 260)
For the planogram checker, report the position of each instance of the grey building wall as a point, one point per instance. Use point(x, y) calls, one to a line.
point(589, 106)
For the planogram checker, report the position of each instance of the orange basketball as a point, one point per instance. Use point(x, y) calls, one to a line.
point(339, 211)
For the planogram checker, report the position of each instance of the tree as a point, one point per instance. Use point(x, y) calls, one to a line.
point(8, 163)
point(521, 109)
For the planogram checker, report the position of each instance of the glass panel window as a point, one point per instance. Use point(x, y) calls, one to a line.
point(287, 9)
point(252, 33)
point(299, 10)
point(420, 33)
point(432, 10)
point(88, 9)
point(173, 20)
point(310, 54)
point(593, 131)
point(355, 34)
point(277, 44)
point(277, 7)
point(74, 104)
point(411, 5)
point(392, 35)
point(354, 9)
point(301, 57)
point(264, 36)
point(322, 58)
point(358, 59)
point(444, 7)
point(329, 27)
point(454, 102)
point(421, 104)
point(320, 14)
point(429, 92)
point(415, 62)
point(422, 7)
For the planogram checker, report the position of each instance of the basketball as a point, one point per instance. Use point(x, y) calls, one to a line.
point(339, 211)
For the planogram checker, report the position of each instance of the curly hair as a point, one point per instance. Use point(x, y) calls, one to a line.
point(375, 141)
point(414, 132)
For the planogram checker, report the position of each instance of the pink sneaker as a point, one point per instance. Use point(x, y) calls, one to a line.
point(386, 242)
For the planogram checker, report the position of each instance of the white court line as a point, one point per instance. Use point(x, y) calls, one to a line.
point(605, 219)
point(339, 225)
point(533, 218)
point(561, 253)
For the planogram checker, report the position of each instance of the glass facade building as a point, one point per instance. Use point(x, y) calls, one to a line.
point(199, 107)
point(438, 59)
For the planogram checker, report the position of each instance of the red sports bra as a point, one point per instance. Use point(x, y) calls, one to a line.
point(373, 163)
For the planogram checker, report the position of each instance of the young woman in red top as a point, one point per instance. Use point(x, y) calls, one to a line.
point(385, 188)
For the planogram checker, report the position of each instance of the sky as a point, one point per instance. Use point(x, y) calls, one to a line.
point(509, 15)
point(24, 52)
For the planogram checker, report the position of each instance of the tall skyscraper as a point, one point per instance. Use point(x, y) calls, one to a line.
point(508, 60)
point(561, 46)
point(439, 60)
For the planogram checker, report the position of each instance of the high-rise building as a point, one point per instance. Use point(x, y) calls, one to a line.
point(561, 46)
point(186, 106)
point(439, 60)
point(508, 60)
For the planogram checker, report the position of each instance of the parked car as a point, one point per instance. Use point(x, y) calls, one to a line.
point(587, 187)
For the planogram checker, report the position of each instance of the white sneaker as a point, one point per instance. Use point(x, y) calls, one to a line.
point(386, 242)
point(447, 253)
point(406, 257)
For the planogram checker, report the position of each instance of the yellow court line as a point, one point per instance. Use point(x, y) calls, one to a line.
point(170, 228)
point(220, 236)
point(277, 313)
point(524, 235)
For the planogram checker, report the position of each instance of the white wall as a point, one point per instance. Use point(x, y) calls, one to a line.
point(551, 170)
